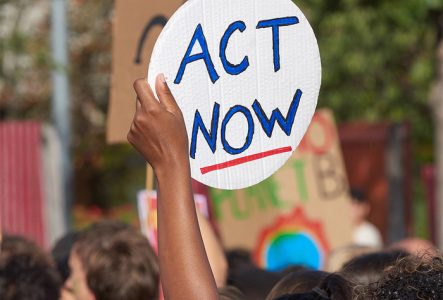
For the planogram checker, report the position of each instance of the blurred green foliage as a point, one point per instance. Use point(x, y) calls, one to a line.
point(378, 60)
point(106, 175)
point(24, 61)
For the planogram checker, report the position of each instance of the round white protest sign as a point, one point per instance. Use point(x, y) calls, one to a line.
point(246, 74)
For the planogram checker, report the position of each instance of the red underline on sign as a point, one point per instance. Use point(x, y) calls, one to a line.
point(243, 160)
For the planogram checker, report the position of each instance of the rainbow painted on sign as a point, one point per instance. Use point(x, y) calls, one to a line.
point(292, 240)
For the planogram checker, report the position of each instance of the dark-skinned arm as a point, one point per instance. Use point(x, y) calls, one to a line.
point(158, 132)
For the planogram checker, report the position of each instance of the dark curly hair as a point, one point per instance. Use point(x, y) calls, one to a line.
point(411, 277)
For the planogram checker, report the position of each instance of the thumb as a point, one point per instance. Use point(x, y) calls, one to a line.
point(164, 94)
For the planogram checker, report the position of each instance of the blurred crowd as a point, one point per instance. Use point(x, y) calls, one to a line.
point(113, 261)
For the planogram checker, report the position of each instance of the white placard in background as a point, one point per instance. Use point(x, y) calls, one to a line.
point(246, 74)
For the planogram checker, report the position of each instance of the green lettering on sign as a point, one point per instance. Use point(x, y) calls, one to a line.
point(262, 196)
point(299, 168)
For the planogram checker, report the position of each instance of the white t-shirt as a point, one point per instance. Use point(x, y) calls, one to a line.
point(367, 234)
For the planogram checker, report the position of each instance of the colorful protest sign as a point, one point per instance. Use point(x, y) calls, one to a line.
point(298, 215)
point(246, 75)
point(147, 211)
point(136, 26)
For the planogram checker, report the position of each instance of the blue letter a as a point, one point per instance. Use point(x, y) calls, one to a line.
point(284, 123)
point(211, 138)
point(188, 58)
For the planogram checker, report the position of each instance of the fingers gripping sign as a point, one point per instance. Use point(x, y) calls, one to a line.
point(158, 130)
point(165, 96)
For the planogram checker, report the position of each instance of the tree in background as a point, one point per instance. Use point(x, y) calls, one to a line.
point(25, 86)
point(378, 61)
point(437, 108)
point(105, 175)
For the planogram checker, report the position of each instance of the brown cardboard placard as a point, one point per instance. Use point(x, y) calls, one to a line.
point(309, 195)
point(136, 26)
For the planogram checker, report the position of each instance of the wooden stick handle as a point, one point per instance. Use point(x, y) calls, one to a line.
point(149, 178)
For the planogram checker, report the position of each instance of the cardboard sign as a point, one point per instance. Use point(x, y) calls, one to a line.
point(147, 211)
point(136, 26)
point(298, 215)
point(246, 74)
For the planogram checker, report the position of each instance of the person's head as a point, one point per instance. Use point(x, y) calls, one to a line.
point(22, 278)
point(61, 252)
point(360, 207)
point(26, 272)
point(20, 246)
point(301, 281)
point(112, 261)
point(237, 260)
point(333, 287)
point(230, 293)
point(254, 283)
point(368, 268)
point(340, 256)
point(410, 278)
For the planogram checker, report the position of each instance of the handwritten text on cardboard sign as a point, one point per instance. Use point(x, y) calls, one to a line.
point(267, 123)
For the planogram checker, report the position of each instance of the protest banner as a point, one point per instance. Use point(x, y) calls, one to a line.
point(246, 75)
point(136, 26)
point(298, 215)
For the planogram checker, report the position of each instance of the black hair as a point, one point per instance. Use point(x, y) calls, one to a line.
point(368, 268)
point(230, 293)
point(333, 287)
point(358, 195)
point(21, 278)
point(253, 282)
point(61, 251)
point(410, 278)
point(237, 259)
point(300, 281)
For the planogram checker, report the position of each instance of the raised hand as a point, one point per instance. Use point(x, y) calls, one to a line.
point(158, 130)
